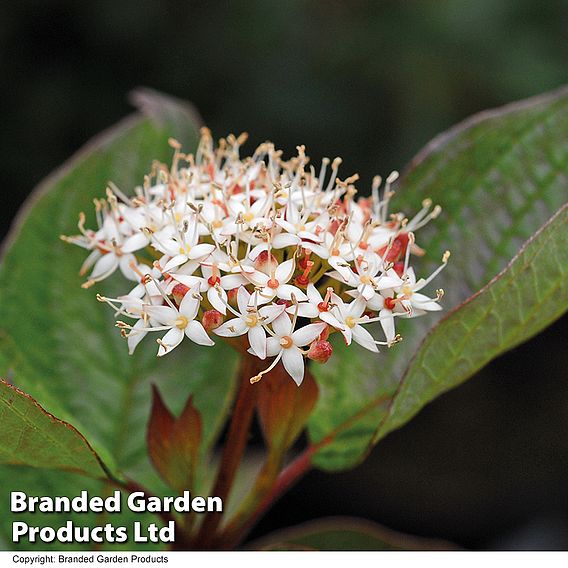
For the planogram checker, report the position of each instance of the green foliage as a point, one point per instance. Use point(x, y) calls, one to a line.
point(518, 303)
point(344, 534)
point(59, 344)
point(31, 436)
point(498, 177)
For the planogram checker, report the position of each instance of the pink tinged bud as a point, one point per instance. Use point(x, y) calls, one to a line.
point(232, 294)
point(320, 351)
point(179, 291)
point(399, 268)
point(324, 334)
point(211, 319)
point(266, 262)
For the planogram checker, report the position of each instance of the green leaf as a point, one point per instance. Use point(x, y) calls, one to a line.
point(518, 303)
point(344, 533)
point(498, 177)
point(31, 436)
point(59, 344)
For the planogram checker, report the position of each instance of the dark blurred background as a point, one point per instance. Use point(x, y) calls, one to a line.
point(485, 465)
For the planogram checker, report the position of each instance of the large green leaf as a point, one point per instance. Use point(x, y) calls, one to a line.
point(58, 344)
point(31, 436)
point(518, 303)
point(344, 533)
point(498, 177)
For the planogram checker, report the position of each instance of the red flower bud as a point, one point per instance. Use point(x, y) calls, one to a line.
point(320, 351)
point(211, 319)
point(397, 250)
point(325, 333)
point(232, 294)
point(399, 268)
point(179, 291)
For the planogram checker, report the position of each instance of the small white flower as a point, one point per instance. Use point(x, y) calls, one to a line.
point(251, 321)
point(351, 317)
point(180, 322)
point(286, 343)
point(275, 285)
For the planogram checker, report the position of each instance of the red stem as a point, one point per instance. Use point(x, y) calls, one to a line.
point(286, 480)
point(233, 451)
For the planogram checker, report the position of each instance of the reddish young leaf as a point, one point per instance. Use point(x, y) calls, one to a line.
point(173, 443)
point(284, 408)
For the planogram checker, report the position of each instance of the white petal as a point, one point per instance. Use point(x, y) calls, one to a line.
point(136, 335)
point(329, 318)
point(376, 303)
point(258, 278)
point(243, 298)
point(284, 271)
point(389, 282)
point(170, 341)
point(313, 295)
point(207, 271)
point(232, 328)
point(162, 314)
point(305, 310)
point(364, 338)
point(135, 242)
point(175, 262)
point(263, 296)
point(285, 225)
point(105, 266)
point(254, 253)
point(191, 281)
point(257, 340)
point(357, 307)
point(270, 313)
point(342, 266)
point(199, 251)
point(126, 261)
point(232, 281)
point(293, 362)
point(190, 305)
point(347, 335)
point(387, 323)
point(430, 306)
point(196, 332)
point(322, 252)
point(285, 240)
point(307, 334)
point(285, 292)
point(218, 299)
point(282, 325)
point(366, 291)
point(273, 346)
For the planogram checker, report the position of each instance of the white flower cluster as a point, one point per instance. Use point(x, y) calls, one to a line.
point(268, 253)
